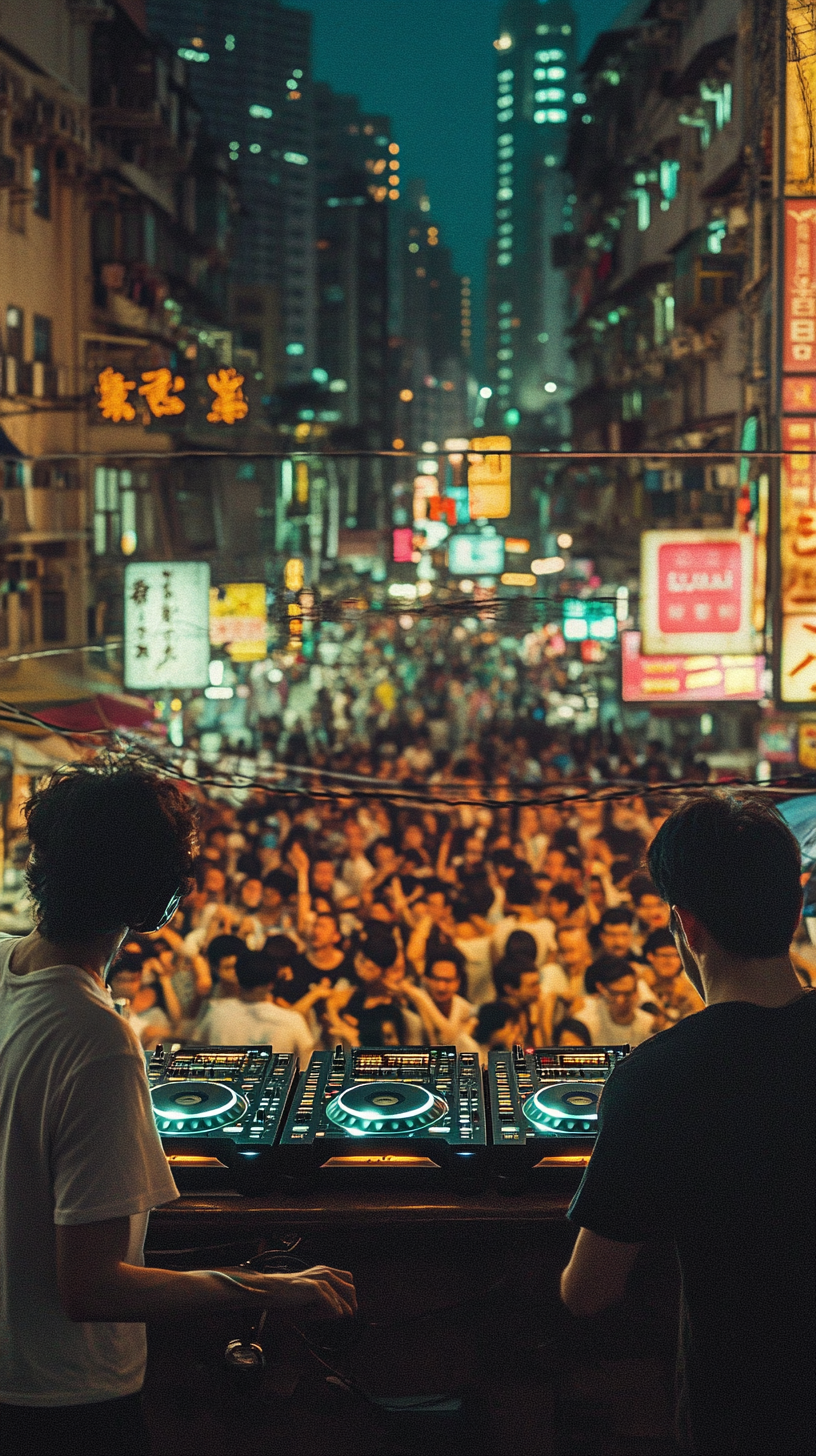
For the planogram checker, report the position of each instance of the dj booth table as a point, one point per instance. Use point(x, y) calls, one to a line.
point(459, 1294)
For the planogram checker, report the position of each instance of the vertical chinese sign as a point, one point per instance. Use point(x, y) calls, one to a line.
point(797, 656)
point(167, 625)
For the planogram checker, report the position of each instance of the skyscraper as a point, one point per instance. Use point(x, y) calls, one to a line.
point(250, 70)
point(528, 360)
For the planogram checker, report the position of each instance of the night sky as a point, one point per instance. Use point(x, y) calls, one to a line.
point(430, 65)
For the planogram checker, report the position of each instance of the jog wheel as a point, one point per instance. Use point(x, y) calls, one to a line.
point(564, 1107)
point(385, 1107)
point(182, 1107)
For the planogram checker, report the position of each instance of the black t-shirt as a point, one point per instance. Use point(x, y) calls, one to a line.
point(707, 1136)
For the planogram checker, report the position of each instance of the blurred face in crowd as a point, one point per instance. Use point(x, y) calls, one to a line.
point(627, 813)
point(442, 983)
point(621, 998)
point(568, 1038)
point(595, 892)
point(125, 984)
point(323, 876)
point(324, 932)
point(665, 962)
point(558, 910)
point(214, 883)
point(555, 864)
point(413, 838)
point(385, 858)
point(367, 970)
point(355, 839)
point(251, 893)
point(616, 940)
point(528, 991)
point(226, 973)
point(271, 899)
point(573, 949)
point(473, 852)
point(508, 1035)
point(653, 913)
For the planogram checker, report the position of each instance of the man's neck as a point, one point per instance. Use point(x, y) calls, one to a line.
point(35, 952)
point(769, 982)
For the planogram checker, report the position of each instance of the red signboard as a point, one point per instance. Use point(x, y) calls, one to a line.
point(714, 678)
point(799, 311)
point(696, 591)
point(403, 543)
point(699, 587)
point(799, 394)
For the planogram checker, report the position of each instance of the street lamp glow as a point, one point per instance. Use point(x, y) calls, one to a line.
point(547, 565)
point(564, 540)
point(485, 392)
point(550, 387)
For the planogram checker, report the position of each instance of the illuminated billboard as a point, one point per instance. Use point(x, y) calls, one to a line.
point(238, 619)
point(476, 555)
point(698, 679)
point(489, 478)
point(697, 592)
point(167, 620)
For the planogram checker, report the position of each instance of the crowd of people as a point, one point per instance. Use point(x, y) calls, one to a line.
point(323, 918)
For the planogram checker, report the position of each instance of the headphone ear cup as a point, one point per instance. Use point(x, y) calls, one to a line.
point(244, 1363)
point(163, 909)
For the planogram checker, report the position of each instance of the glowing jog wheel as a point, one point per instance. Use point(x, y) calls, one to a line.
point(385, 1107)
point(564, 1107)
point(192, 1106)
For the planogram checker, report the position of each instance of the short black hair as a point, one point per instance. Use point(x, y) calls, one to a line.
point(521, 943)
point(378, 944)
point(658, 940)
point(576, 1027)
point(734, 863)
point(605, 970)
point(493, 1015)
point(280, 881)
point(221, 946)
point(109, 843)
point(616, 915)
point(281, 949)
point(566, 894)
point(509, 971)
point(641, 885)
point(255, 968)
point(520, 889)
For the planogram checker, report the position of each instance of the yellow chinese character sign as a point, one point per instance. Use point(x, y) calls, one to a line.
point(489, 479)
point(160, 391)
point(238, 619)
point(229, 404)
point(113, 390)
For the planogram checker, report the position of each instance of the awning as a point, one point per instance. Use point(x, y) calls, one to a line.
point(8, 449)
point(99, 713)
point(70, 701)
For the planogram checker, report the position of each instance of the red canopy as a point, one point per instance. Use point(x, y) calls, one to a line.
point(98, 713)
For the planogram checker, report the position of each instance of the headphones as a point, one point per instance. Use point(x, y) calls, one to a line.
point(160, 911)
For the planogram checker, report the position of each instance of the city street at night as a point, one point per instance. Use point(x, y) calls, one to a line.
point(407, 727)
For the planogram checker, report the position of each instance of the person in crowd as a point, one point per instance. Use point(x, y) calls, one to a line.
point(707, 1138)
point(564, 904)
point(518, 984)
point(611, 1012)
point(148, 996)
point(652, 912)
point(252, 1017)
point(447, 1018)
point(614, 933)
point(523, 912)
point(563, 983)
point(572, 1033)
point(669, 982)
point(499, 1024)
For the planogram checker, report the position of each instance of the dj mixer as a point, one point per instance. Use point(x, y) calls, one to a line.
point(219, 1110)
point(400, 1110)
point(544, 1109)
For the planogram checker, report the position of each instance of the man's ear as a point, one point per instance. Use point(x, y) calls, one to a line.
point(693, 930)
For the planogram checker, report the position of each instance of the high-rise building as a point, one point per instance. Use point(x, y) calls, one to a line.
point(357, 170)
point(434, 323)
point(250, 71)
point(528, 360)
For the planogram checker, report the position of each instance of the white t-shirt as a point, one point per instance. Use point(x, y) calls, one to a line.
point(255, 1023)
point(594, 1014)
point(461, 1015)
point(78, 1144)
point(476, 952)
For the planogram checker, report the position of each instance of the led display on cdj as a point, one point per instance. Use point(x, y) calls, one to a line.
point(388, 1061)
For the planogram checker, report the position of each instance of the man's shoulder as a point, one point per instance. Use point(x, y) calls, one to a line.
point(665, 1052)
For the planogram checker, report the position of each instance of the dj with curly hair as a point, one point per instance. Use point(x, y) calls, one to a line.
point(81, 1165)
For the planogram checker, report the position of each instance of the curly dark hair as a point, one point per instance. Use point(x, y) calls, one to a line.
point(108, 841)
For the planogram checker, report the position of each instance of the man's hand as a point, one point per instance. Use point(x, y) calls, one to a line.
point(318, 1293)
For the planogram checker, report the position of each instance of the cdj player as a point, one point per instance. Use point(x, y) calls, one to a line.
point(544, 1108)
point(403, 1110)
point(219, 1110)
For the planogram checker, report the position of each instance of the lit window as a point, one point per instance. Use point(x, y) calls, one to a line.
point(505, 354)
point(552, 114)
point(504, 194)
point(505, 227)
point(261, 113)
point(296, 349)
point(550, 56)
point(297, 75)
point(188, 54)
point(550, 93)
point(505, 75)
point(505, 139)
point(505, 116)
point(393, 148)
point(298, 159)
point(579, 98)
point(505, 152)
point(555, 73)
point(550, 387)
point(505, 308)
point(229, 42)
point(291, 85)
point(504, 259)
point(586, 118)
point(393, 194)
point(505, 168)
point(504, 42)
point(255, 147)
point(505, 373)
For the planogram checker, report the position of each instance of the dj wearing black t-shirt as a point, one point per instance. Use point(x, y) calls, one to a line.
point(708, 1137)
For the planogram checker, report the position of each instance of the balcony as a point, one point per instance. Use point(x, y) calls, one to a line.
point(37, 513)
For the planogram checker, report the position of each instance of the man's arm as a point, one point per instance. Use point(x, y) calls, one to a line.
point(596, 1275)
point(96, 1283)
